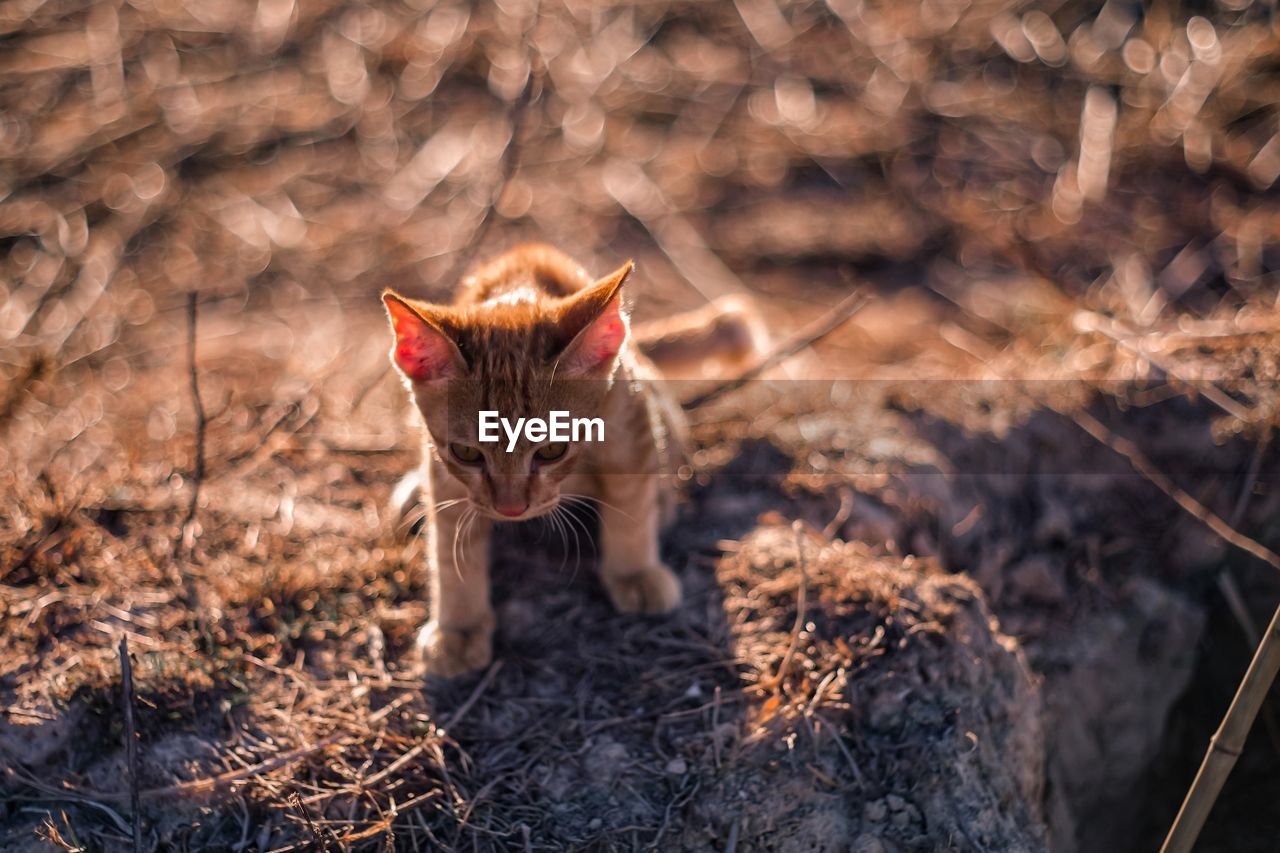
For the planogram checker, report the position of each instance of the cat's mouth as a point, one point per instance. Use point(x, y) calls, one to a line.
point(519, 514)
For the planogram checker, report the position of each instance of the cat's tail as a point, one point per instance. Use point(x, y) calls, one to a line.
point(724, 334)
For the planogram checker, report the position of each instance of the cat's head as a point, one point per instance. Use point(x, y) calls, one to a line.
point(523, 355)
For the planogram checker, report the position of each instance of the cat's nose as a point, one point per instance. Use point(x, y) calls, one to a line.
point(512, 510)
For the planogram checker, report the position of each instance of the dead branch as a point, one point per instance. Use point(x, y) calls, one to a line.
point(320, 836)
point(1089, 321)
point(197, 476)
point(131, 742)
point(811, 334)
point(1227, 743)
point(1157, 478)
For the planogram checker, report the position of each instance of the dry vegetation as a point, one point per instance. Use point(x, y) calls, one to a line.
point(1069, 205)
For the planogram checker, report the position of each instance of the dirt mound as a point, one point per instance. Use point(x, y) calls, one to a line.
point(905, 720)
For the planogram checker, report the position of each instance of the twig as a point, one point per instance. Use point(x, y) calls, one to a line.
point(131, 741)
point(197, 477)
point(1250, 479)
point(454, 718)
point(1227, 743)
point(731, 846)
point(190, 788)
point(1088, 321)
point(1226, 579)
point(842, 514)
point(319, 836)
point(1157, 478)
point(461, 710)
point(811, 334)
point(839, 741)
point(1231, 590)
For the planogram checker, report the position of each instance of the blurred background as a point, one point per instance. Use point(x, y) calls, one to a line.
point(1043, 190)
point(286, 160)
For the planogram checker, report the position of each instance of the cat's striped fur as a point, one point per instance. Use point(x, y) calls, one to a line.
point(530, 332)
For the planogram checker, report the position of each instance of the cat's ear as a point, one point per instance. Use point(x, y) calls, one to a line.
point(422, 351)
point(596, 326)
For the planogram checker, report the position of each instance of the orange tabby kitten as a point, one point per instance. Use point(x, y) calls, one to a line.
point(529, 334)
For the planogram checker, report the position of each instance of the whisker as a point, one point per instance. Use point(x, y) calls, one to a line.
point(586, 527)
point(420, 511)
point(576, 524)
point(590, 502)
point(466, 533)
point(564, 539)
point(577, 545)
point(457, 531)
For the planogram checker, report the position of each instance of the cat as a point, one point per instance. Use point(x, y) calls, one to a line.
point(529, 333)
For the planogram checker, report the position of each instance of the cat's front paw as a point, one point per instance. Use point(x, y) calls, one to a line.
point(655, 589)
point(455, 651)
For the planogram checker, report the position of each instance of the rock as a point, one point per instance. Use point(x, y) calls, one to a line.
point(605, 761)
point(1118, 676)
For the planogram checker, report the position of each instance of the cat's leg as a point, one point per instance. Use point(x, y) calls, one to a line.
point(634, 576)
point(459, 636)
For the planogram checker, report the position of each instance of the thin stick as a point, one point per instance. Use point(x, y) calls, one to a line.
point(1157, 478)
point(1226, 580)
point(131, 741)
point(1250, 478)
point(321, 840)
point(1090, 322)
point(206, 785)
point(1231, 590)
point(197, 477)
point(454, 718)
point(462, 710)
point(1227, 743)
point(811, 334)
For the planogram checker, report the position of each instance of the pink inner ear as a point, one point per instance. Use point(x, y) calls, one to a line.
point(599, 343)
point(421, 351)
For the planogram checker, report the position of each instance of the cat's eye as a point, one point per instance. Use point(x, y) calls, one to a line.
point(550, 452)
point(466, 454)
